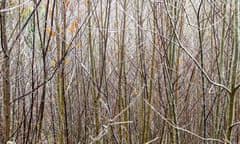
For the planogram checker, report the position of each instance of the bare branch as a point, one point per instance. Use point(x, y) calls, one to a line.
point(15, 7)
point(179, 128)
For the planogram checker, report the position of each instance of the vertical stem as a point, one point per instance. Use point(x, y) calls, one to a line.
point(221, 72)
point(172, 99)
point(151, 72)
point(45, 72)
point(59, 79)
point(64, 101)
point(121, 67)
point(230, 113)
point(202, 74)
point(5, 74)
point(118, 56)
point(95, 98)
point(32, 78)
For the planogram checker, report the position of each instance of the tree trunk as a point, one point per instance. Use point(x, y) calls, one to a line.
point(6, 76)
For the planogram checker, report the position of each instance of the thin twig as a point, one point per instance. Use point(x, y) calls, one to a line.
point(181, 129)
point(15, 7)
point(153, 140)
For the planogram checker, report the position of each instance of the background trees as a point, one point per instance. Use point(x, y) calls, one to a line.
point(110, 71)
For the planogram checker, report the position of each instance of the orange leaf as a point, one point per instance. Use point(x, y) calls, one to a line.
point(70, 29)
point(66, 3)
point(66, 61)
point(135, 91)
point(75, 24)
point(52, 34)
point(78, 44)
point(49, 31)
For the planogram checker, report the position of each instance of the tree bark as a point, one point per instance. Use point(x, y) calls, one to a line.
point(6, 91)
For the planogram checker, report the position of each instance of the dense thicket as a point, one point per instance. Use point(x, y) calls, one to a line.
point(119, 71)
